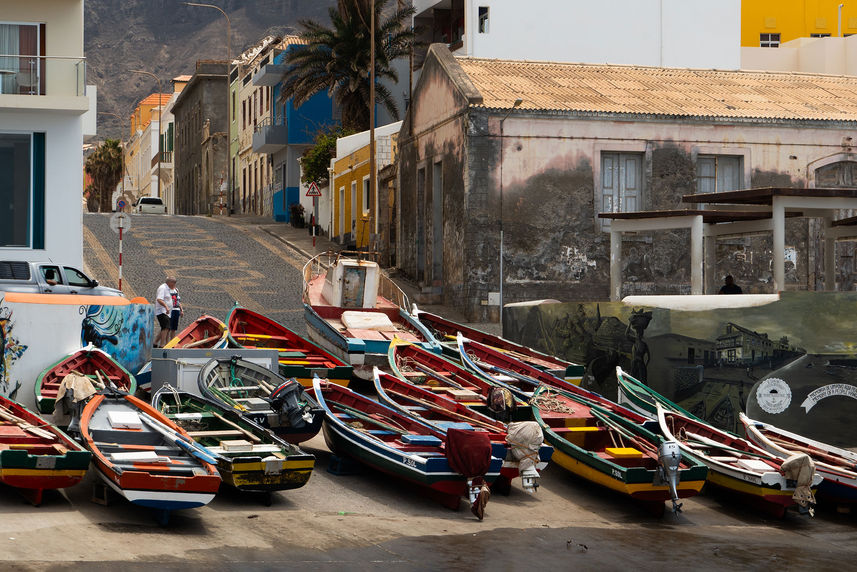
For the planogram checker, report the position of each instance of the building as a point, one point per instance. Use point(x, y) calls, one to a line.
point(250, 105)
point(167, 167)
point(141, 150)
point(770, 23)
point(637, 32)
point(353, 211)
point(45, 113)
point(288, 132)
point(201, 150)
point(505, 165)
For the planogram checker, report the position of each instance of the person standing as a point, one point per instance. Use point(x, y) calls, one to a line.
point(176, 311)
point(730, 287)
point(163, 309)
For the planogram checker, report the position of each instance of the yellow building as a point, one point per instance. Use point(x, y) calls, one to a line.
point(769, 23)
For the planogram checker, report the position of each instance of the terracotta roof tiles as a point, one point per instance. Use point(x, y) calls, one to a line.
point(662, 91)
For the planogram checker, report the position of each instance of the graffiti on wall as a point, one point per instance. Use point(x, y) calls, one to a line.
point(121, 331)
point(12, 350)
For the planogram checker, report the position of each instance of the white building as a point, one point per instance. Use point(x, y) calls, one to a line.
point(43, 104)
point(663, 33)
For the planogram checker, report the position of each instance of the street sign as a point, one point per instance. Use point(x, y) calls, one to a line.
point(120, 221)
point(313, 191)
point(120, 204)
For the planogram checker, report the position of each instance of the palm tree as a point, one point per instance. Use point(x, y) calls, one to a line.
point(105, 167)
point(337, 59)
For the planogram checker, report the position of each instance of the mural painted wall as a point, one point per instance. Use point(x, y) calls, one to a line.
point(37, 330)
point(716, 361)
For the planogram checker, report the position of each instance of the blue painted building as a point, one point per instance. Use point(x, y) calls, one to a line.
point(288, 132)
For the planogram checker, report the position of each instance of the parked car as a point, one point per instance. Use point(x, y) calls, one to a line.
point(150, 205)
point(49, 278)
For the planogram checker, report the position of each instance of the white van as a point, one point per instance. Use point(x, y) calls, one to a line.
point(150, 205)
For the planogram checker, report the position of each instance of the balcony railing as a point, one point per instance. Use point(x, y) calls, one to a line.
point(42, 75)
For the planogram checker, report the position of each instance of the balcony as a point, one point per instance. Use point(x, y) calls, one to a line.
point(268, 138)
point(43, 82)
point(270, 75)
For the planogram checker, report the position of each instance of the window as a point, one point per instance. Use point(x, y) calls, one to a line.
point(22, 67)
point(621, 183)
point(819, 35)
point(233, 106)
point(366, 191)
point(839, 174)
point(244, 114)
point(483, 19)
point(22, 190)
point(769, 40)
point(719, 173)
point(76, 277)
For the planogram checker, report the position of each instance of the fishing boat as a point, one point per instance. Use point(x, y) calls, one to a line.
point(249, 457)
point(36, 456)
point(614, 452)
point(447, 331)
point(90, 361)
point(354, 310)
point(269, 399)
point(739, 466)
point(636, 395)
point(837, 466)
point(145, 457)
point(419, 366)
point(520, 444)
point(205, 332)
point(299, 357)
point(445, 466)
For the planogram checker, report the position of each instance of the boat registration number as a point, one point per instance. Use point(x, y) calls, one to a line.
point(616, 473)
point(409, 462)
point(46, 462)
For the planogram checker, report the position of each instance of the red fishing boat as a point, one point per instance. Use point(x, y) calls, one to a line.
point(205, 332)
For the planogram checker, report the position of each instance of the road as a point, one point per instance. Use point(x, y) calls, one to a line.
point(366, 521)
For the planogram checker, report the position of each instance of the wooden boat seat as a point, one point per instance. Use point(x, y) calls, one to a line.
point(583, 429)
point(240, 388)
point(416, 408)
point(379, 432)
point(366, 334)
point(217, 433)
point(624, 452)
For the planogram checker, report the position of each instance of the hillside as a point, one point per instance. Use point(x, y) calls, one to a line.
point(166, 37)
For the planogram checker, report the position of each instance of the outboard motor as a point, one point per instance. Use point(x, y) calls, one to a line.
point(287, 400)
point(669, 461)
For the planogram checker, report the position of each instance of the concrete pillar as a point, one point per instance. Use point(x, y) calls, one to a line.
point(778, 214)
point(615, 266)
point(696, 255)
point(829, 256)
point(709, 270)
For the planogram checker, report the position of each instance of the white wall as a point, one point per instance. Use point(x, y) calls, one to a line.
point(668, 33)
point(837, 56)
point(63, 185)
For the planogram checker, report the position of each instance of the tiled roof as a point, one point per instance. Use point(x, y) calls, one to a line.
point(662, 91)
point(153, 99)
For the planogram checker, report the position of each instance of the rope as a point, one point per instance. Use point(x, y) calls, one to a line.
point(551, 401)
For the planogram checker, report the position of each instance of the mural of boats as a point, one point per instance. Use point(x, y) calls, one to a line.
point(739, 466)
point(837, 466)
point(249, 457)
point(205, 332)
point(445, 466)
point(274, 402)
point(354, 310)
point(641, 398)
point(613, 452)
point(299, 357)
point(90, 361)
point(36, 456)
point(145, 457)
point(520, 444)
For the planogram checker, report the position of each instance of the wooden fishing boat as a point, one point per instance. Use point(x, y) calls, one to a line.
point(36, 456)
point(737, 465)
point(354, 310)
point(205, 332)
point(90, 361)
point(837, 466)
point(444, 413)
point(448, 330)
point(372, 433)
point(269, 399)
point(419, 366)
point(144, 456)
point(614, 452)
point(249, 457)
point(636, 395)
point(299, 358)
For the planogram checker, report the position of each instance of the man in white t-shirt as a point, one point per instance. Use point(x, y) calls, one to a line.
point(163, 308)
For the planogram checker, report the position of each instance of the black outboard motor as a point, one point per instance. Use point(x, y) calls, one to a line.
point(288, 400)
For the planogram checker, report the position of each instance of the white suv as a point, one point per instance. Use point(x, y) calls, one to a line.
point(150, 205)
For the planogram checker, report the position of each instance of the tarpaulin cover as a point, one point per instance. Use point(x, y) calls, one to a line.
point(525, 438)
point(799, 467)
point(468, 452)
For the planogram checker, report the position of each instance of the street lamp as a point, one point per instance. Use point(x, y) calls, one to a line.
point(230, 190)
point(124, 173)
point(160, 91)
point(517, 102)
